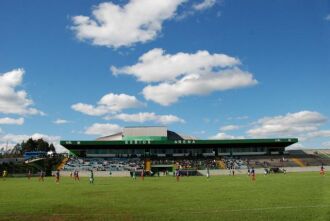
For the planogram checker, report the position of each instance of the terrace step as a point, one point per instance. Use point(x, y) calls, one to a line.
point(299, 162)
point(60, 166)
point(221, 164)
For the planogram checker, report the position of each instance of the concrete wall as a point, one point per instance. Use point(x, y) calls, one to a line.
point(98, 173)
point(202, 172)
point(261, 171)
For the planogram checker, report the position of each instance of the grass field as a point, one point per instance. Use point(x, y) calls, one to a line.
point(294, 196)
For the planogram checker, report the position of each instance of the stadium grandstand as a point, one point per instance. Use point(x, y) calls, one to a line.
point(157, 149)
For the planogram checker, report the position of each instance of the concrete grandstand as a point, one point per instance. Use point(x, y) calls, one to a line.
point(160, 142)
point(158, 149)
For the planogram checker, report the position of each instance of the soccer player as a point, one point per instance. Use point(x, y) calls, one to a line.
point(134, 174)
point(42, 175)
point(229, 171)
point(208, 173)
point(253, 174)
point(4, 174)
point(57, 176)
point(248, 171)
point(142, 175)
point(91, 177)
point(76, 175)
point(322, 172)
point(177, 175)
point(29, 175)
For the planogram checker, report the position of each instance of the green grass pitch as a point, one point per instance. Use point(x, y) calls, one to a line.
point(294, 196)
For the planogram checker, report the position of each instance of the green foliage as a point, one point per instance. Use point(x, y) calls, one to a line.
point(36, 145)
point(52, 147)
point(294, 196)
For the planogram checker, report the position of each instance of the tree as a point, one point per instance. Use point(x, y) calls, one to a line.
point(52, 148)
point(17, 150)
point(36, 145)
point(42, 145)
point(29, 145)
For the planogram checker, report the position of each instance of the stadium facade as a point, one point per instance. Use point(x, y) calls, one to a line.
point(158, 142)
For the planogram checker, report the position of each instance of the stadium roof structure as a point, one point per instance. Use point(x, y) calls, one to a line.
point(160, 138)
point(278, 142)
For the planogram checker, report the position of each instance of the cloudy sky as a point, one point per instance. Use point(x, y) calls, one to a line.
point(214, 69)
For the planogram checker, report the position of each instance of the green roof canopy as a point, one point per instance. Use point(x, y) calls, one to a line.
point(131, 144)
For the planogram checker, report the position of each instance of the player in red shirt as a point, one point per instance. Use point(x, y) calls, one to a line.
point(177, 175)
point(42, 175)
point(57, 176)
point(253, 174)
point(322, 172)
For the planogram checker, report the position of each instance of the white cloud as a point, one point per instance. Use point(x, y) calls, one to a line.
point(13, 139)
point(156, 66)
point(230, 127)
point(61, 121)
point(319, 133)
point(14, 101)
point(327, 17)
point(90, 109)
point(7, 120)
point(146, 116)
point(292, 124)
point(224, 136)
point(102, 129)
point(326, 144)
point(108, 104)
point(295, 146)
point(305, 125)
point(205, 4)
point(197, 7)
point(238, 118)
point(194, 84)
point(115, 26)
point(185, 74)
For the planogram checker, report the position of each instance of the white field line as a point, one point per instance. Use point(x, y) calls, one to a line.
point(183, 211)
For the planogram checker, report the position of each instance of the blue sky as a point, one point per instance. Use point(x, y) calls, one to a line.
point(209, 68)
